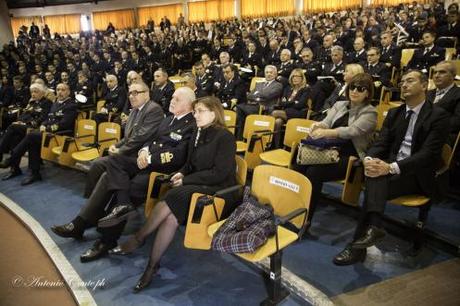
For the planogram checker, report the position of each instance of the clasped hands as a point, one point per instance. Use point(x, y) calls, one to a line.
point(376, 167)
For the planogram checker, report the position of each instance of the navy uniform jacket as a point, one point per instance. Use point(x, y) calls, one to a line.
point(168, 150)
point(273, 57)
point(427, 141)
point(422, 61)
point(391, 55)
point(163, 96)
point(204, 85)
point(233, 89)
point(312, 70)
point(355, 57)
point(379, 72)
point(253, 60)
point(20, 98)
point(115, 99)
point(451, 103)
point(61, 116)
point(87, 90)
point(35, 112)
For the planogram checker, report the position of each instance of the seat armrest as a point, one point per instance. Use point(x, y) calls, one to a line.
point(290, 216)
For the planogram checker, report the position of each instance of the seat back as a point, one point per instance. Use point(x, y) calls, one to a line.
point(241, 170)
point(285, 189)
point(382, 111)
point(450, 53)
point(230, 120)
point(254, 81)
point(108, 133)
point(258, 123)
point(296, 130)
point(406, 56)
point(100, 104)
point(177, 80)
point(85, 133)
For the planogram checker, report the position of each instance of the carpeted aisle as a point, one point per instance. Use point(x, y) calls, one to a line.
point(27, 275)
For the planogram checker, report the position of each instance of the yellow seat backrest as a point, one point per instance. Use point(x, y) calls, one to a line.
point(406, 56)
point(296, 130)
point(108, 133)
point(230, 120)
point(382, 111)
point(241, 170)
point(285, 189)
point(254, 81)
point(258, 123)
point(99, 105)
point(450, 53)
point(177, 80)
point(85, 127)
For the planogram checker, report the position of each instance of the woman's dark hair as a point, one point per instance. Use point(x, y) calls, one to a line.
point(364, 80)
point(214, 105)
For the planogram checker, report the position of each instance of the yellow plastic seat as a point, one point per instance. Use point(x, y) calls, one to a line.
point(178, 81)
point(196, 231)
point(288, 192)
point(296, 129)
point(108, 133)
point(254, 81)
point(382, 111)
point(406, 56)
point(230, 120)
point(255, 125)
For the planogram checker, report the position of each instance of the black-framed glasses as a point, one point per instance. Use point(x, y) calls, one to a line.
point(358, 88)
point(135, 92)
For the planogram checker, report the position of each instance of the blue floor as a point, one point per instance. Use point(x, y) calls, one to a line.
point(191, 277)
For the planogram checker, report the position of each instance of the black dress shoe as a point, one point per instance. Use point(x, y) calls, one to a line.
point(372, 236)
point(119, 214)
point(11, 174)
point(99, 249)
point(67, 231)
point(146, 277)
point(31, 179)
point(349, 256)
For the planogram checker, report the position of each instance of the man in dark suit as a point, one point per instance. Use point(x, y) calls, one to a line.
point(447, 94)
point(34, 31)
point(308, 42)
point(232, 91)
point(311, 68)
point(142, 124)
point(20, 98)
point(427, 56)
point(265, 94)
point(402, 161)
point(127, 177)
point(391, 53)
point(162, 90)
point(285, 67)
point(61, 117)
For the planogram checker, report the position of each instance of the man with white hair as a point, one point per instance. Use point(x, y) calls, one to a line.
point(127, 178)
point(61, 117)
point(115, 99)
point(285, 67)
point(31, 117)
point(265, 94)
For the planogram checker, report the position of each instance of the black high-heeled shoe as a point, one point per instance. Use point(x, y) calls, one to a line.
point(146, 277)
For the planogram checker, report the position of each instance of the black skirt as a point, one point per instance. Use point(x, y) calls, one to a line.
point(178, 200)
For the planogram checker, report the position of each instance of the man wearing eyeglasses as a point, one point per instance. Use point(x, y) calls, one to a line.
point(141, 125)
point(447, 94)
point(402, 161)
point(126, 178)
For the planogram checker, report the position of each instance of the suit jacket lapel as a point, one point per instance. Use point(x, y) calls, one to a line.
point(424, 112)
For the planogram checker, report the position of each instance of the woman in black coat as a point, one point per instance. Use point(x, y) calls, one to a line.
point(210, 167)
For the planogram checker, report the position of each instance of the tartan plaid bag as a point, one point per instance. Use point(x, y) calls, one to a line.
point(247, 228)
